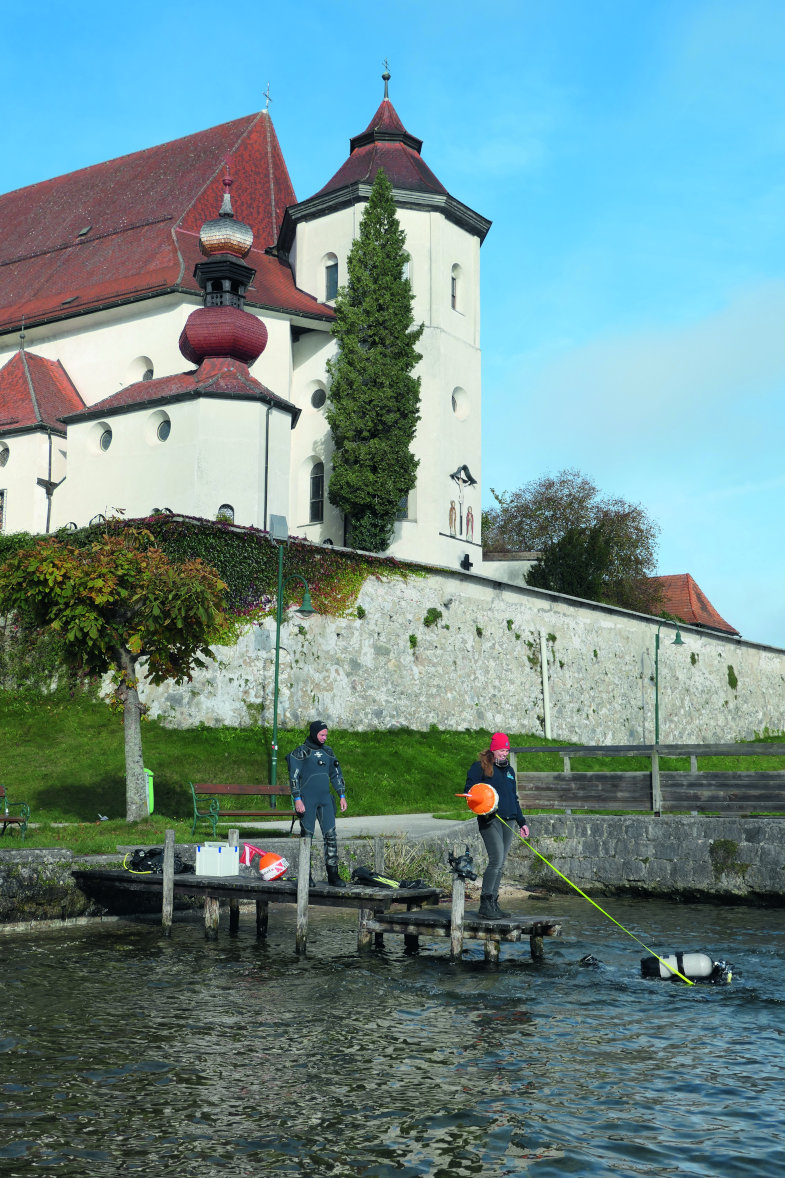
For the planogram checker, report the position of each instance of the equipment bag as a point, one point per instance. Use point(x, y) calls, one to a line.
point(372, 879)
point(150, 861)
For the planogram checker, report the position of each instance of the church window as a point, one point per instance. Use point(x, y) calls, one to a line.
point(164, 429)
point(4, 453)
point(460, 403)
point(403, 508)
point(147, 374)
point(330, 263)
point(455, 288)
point(105, 440)
point(406, 272)
point(225, 513)
point(316, 515)
point(318, 398)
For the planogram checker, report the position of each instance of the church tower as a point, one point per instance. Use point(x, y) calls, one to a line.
point(440, 523)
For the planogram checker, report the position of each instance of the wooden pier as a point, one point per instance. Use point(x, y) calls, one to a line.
point(373, 905)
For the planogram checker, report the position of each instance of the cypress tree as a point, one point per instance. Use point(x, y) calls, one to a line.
point(374, 398)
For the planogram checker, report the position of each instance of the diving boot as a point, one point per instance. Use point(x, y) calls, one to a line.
point(500, 912)
point(331, 860)
point(486, 909)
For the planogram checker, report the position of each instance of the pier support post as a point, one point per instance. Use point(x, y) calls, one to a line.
point(262, 910)
point(492, 952)
point(212, 911)
point(234, 905)
point(456, 917)
point(167, 904)
point(303, 879)
point(363, 933)
point(536, 947)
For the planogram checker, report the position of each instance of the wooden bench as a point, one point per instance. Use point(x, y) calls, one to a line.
point(13, 813)
point(204, 790)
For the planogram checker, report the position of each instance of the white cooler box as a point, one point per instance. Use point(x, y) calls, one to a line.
point(217, 859)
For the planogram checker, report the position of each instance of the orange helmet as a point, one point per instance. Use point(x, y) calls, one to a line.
point(481, 798)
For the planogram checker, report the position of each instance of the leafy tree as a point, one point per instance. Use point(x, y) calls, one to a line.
point(113, 602)
point(374, 398)
point(602, 548)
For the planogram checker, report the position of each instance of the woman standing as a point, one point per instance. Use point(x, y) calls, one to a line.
point(493, 767)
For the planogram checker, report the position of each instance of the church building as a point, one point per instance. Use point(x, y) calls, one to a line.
point(165, 326)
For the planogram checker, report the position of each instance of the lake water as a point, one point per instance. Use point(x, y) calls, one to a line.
point(124, 1052)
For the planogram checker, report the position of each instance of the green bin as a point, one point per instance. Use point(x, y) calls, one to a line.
point(150, 799)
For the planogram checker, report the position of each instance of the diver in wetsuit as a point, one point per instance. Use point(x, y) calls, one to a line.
point(313, 767)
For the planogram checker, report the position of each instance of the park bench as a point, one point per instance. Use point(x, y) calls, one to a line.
point(13, 813)
point(212, 810)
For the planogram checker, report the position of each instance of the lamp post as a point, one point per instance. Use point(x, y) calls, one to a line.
point(677, 641)
point(279, 531)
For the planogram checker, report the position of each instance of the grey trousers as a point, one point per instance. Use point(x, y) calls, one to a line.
point(497, 838)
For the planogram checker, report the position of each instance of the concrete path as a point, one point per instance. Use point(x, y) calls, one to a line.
point(413, 826)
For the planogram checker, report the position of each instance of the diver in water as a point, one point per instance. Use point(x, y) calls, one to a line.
point(493, 767)
point(313, 768)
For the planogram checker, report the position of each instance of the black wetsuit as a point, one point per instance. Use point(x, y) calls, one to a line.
point(313, 767)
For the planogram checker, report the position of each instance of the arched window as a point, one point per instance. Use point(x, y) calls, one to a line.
point(330, 263)
point(455, 287)
point(225, 513)
point(316, 514)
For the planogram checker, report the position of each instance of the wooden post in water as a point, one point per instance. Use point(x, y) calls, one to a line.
point(234, 905)
point(535, 946)
point(167, 904)
point(303, 879)
point(492, 952)
point(212, 911)
point(456, 917)
point(363, 933)
point(262, 910)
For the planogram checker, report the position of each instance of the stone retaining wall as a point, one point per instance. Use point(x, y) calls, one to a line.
point(714, 860)
point(479, 664)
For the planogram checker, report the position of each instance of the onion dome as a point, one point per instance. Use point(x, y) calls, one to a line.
point(222, 327)
point(223, 331)
point(224, 235)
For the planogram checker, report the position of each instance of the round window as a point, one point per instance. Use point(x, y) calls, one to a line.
point(164, 429)
point(105, 440)
point(4, 452)
point(318, 398)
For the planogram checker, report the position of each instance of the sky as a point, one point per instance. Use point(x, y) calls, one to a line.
point(631, 156)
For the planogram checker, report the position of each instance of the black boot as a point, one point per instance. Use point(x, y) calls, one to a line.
point(500, 912)
point(486, 909)
point(331, 860)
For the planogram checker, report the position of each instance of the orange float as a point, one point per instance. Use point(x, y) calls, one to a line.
point(481, 798)
point(272, 866)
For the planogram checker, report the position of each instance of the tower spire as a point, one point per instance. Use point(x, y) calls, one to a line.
point(386, 78)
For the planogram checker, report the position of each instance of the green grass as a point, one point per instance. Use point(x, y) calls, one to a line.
point(64, 756)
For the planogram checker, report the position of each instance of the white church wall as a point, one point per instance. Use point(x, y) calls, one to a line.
point(23, 501)
point(214, 455)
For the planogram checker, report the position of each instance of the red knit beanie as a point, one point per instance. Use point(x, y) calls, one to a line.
point(499, 741)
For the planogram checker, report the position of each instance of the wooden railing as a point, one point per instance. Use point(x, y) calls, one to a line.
point(654, 790)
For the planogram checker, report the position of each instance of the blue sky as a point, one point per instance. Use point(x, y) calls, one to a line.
point(631, 155)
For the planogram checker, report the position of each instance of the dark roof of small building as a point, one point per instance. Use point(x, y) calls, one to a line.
point(385, 143)
point(129, 228)
point(35, 393)
point(683, 598)
point(216, 376)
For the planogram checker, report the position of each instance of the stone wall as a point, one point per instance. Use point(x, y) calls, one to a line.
point(479, 665)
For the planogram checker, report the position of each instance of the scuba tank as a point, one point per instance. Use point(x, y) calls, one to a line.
point(698, 967)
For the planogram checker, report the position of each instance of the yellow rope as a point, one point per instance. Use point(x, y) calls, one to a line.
point(602, 910)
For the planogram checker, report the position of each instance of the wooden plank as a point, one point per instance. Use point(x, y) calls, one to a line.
point(241, 790)
point(767, 749)
point(656, 790)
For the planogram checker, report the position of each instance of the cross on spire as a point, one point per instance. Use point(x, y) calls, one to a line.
point(267, 97)
point(386, 77)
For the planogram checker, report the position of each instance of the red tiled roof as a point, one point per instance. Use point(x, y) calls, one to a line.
point(144, 212)
point(683, 598)
point(386, 144)
point(216, 376)
point(35, 392)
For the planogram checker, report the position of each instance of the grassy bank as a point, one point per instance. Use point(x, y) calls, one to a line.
point(64, 756)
